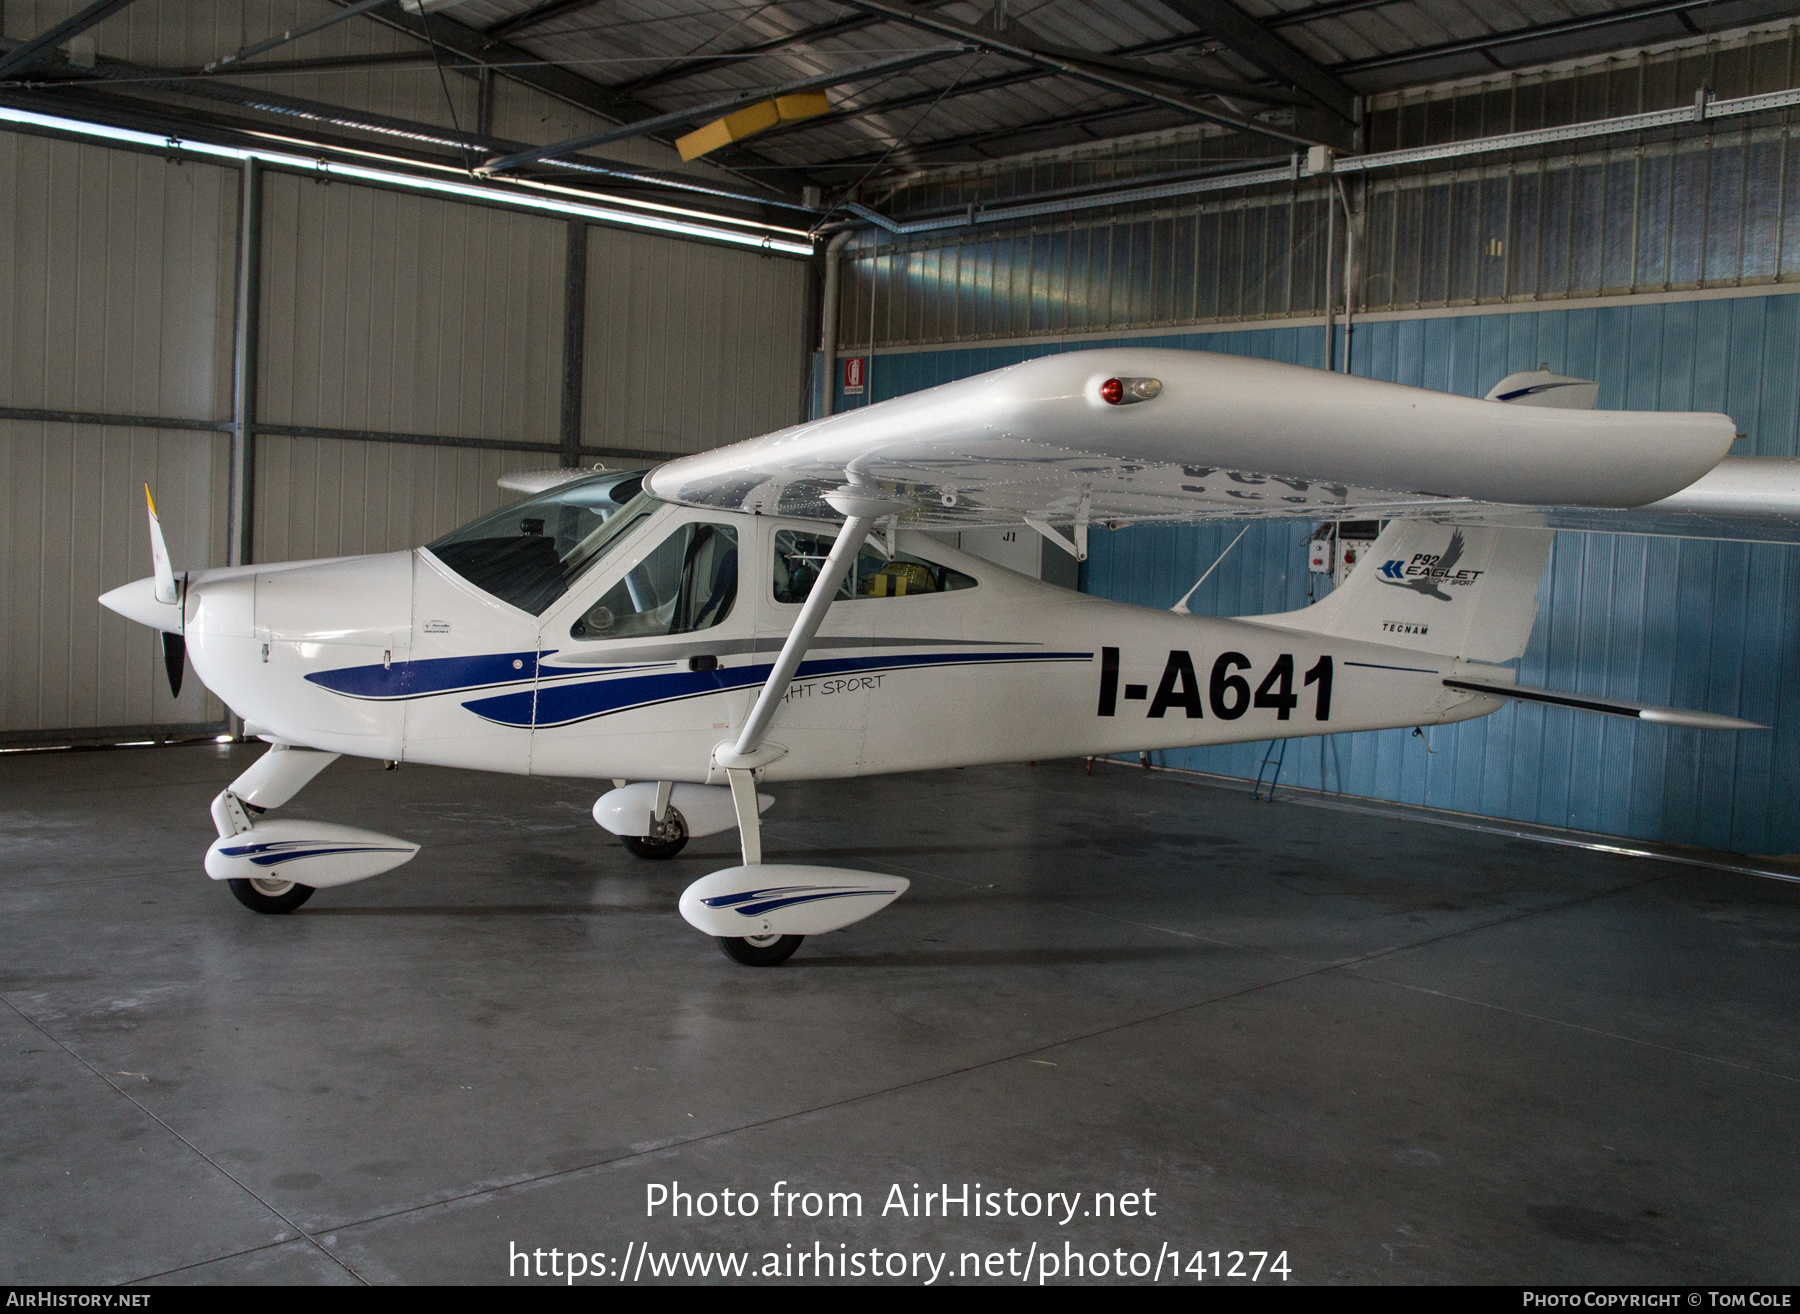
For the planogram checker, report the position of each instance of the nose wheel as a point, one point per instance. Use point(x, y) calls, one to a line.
point(759, 950)
point(263, 895)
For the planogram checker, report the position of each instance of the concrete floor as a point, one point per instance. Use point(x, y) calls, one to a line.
point(1396, 1052)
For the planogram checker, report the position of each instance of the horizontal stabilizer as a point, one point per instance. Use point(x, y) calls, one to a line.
point(1611, 706)
point(784, 899)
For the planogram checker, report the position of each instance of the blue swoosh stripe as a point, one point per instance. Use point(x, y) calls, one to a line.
point(562, 705)
point(273, 855)
point(762, 906)
point(440, 675)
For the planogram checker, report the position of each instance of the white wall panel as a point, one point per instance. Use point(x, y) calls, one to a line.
point(409, 314)
point(325, 497)
point(689, 346)
point(73, 501)
point(116, 272)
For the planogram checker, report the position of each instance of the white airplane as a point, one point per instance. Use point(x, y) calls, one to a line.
point(708, 626)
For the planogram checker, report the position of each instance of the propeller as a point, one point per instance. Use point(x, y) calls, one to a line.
point(159, 554)
point(174, 660)
point(168, 589)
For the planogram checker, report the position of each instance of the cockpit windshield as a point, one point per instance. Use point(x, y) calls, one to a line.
point(529, 553)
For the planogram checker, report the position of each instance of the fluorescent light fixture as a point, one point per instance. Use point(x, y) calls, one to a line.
point(458, 172)
point(659, 223)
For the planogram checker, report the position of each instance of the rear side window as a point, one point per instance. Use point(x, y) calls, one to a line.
point(688, 583)
point(800, 556)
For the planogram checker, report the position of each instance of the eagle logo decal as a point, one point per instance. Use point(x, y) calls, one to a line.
point(1424, 573)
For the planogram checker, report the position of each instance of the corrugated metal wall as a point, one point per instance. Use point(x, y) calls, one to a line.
point(381, 312)
point(115, 275)
point(117, 280)
point(1682, 622)
point(326, 497)
point(689, 346)
point(73, 501)
point(1684, 206)
point(409, 314)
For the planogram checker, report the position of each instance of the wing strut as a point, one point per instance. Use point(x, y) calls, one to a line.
point(862, 509)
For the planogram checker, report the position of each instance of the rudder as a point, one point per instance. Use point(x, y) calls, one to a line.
point(1453, 590)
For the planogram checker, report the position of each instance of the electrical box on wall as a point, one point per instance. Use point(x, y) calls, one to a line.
point(1353, 539)
point(1318, 556)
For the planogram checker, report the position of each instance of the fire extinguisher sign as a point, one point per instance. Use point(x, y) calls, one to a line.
point(853, 375)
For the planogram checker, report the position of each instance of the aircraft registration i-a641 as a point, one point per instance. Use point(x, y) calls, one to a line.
point(777, 609)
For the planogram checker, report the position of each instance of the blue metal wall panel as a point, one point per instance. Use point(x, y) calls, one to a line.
point(1684, 622)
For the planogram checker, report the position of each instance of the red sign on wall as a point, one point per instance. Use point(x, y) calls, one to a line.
point(853, 375)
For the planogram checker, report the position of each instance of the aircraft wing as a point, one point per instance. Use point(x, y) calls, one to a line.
point(1134, 434)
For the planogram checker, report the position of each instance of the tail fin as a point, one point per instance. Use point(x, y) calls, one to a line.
point(1453, 590)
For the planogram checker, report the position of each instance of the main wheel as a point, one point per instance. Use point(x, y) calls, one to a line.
point(760, 950)
point(264, 895)
point(667, 837)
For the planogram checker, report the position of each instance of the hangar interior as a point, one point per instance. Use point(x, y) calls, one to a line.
point(1506, 1000)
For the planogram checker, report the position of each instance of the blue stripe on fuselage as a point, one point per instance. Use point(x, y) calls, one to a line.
point(566, 704)
point(440, 675)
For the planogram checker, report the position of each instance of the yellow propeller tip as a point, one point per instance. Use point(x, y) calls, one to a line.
point(149, 499)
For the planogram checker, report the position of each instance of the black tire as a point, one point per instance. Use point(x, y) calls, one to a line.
point(777, 949)
point(276, 900)
point(672, 840)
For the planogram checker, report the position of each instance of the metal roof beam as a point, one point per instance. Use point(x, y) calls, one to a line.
point(805, 36)
point(1269, 95)
point(1246, 37)
point(536, 16)
point(1484, 44)
point(293, 34)
point(521, 66)
point(1331, 9)
point(706, 110)
point(1128, 84)
point(413, 139)
point(44, 42)
point(976, 139)
point(321, 64)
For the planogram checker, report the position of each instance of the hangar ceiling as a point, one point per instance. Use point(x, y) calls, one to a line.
point(913, 85)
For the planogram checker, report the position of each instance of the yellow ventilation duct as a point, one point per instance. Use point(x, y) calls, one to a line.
point(749, 121)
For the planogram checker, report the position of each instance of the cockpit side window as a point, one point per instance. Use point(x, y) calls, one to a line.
point(688, 583)
point(800, 556)
point(530, 552)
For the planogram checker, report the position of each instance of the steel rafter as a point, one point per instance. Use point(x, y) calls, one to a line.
point(536, 16)
point(805, 36)
point(706, 110)
point(115, 76)
point(528, 69)
point(44, 42)
point(1250, 40)
point(978, 138)
point(992, 83)
point(1518, 36)
point(1128, 84)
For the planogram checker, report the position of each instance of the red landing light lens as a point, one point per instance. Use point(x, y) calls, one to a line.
point(1112, 392)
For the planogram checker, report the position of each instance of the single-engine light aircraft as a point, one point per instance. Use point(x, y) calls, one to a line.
point(779, 609)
